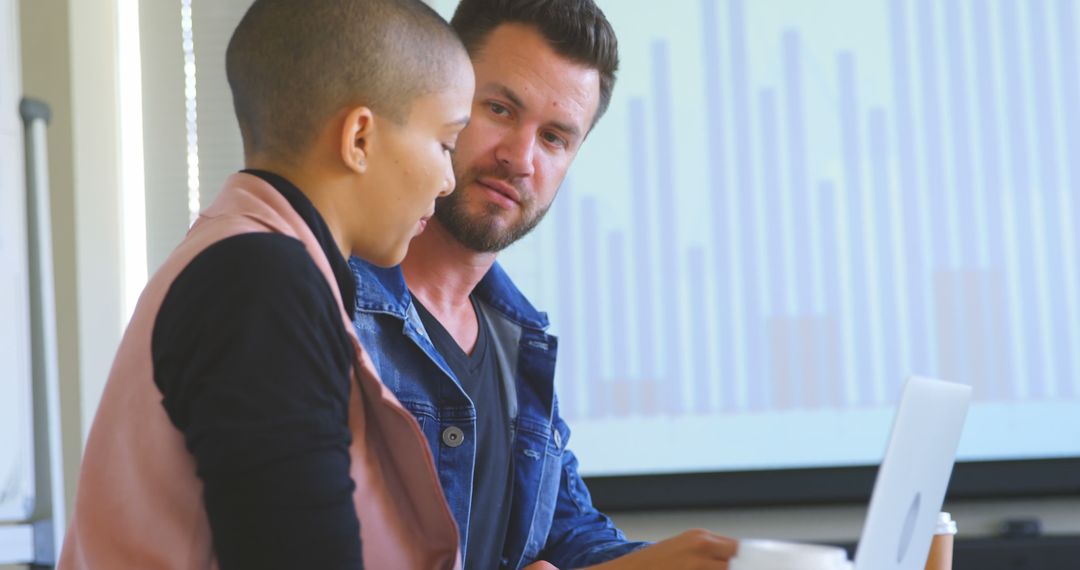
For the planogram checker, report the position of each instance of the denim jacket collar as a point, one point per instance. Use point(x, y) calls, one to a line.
point(383, 290)
point(380, 289)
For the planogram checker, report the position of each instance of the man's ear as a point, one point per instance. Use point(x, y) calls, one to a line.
point(356, 138)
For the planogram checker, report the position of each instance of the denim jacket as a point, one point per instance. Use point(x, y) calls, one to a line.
point(551, 515)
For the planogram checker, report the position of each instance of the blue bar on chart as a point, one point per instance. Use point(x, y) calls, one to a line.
point(624, 397)
point(855, 299)
point(772, 272)
point(1070, 91)
point(1051, 255)
point(570, 377)
point(941, 247)
point(599, 385)
point(989, 187)
point(643, 240)
point(948, 294)
point(887, 318)
point(959, 130)
point(833, 364)
point(700, 370)
point(1037, 362)
point(721, 199)
point(665, 208)
point(762, 251)
point(974, 238)
point(752, 379)
point(913, 192)
point(798, 180)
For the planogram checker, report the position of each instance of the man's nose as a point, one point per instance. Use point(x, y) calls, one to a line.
point(515, 153)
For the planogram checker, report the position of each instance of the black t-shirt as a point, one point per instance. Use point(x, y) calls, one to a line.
point(253, 361)
point(480, 377)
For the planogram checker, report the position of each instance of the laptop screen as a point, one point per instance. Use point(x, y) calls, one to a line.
point(910, 486)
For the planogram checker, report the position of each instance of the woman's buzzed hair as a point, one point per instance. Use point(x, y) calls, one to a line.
point(293, 64)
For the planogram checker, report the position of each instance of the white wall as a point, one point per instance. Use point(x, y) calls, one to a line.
point(16, 449)
point(46, 64)
point(96, 171)
point(70, 60)
point(164, 128)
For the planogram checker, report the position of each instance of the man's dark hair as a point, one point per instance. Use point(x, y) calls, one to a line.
point(294, 64)
point(575, 29)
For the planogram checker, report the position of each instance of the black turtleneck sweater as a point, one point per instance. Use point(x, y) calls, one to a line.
point(254, 362)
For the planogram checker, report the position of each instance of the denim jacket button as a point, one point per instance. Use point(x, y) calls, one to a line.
point(453, 436)
point(558, 439)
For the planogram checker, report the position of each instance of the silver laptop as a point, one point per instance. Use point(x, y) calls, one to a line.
point(911, 482)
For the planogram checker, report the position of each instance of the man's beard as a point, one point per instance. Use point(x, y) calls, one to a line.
point(482, 232)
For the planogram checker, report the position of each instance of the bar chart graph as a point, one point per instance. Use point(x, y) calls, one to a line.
point(930, 229)
point(792, 206)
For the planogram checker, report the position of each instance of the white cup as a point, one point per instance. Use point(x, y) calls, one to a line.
point(941, 548)
point(945, 524)
point(778, 555)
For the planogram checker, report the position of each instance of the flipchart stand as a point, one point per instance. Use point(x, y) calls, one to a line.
point(38, 542)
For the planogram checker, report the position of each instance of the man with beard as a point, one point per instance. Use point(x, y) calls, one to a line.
point(461, 347)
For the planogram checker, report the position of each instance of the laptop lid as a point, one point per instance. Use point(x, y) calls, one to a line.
point(911, 482)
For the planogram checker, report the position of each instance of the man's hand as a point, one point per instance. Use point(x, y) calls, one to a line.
point(541, 565)
point(696, 549)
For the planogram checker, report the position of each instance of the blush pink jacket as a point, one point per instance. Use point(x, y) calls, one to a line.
point(139, 502)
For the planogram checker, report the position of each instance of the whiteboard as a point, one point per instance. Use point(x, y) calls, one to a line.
point(16, 409)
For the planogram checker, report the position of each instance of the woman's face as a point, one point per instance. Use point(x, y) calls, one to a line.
point(409, 168)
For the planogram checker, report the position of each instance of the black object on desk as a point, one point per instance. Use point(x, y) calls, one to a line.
point(1019, 546)
point(1023, 553)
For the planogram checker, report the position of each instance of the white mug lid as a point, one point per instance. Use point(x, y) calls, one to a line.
point(755, 554)
point(945, 524)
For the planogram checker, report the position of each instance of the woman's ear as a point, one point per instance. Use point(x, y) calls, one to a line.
point(356, 135)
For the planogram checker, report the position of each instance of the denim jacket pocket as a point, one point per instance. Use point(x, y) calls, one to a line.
point(423, 412)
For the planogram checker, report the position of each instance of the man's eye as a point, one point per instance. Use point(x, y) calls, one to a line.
point(554, 139)
point(498, 109)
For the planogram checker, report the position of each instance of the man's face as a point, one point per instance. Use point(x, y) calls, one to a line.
point(531, 112)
